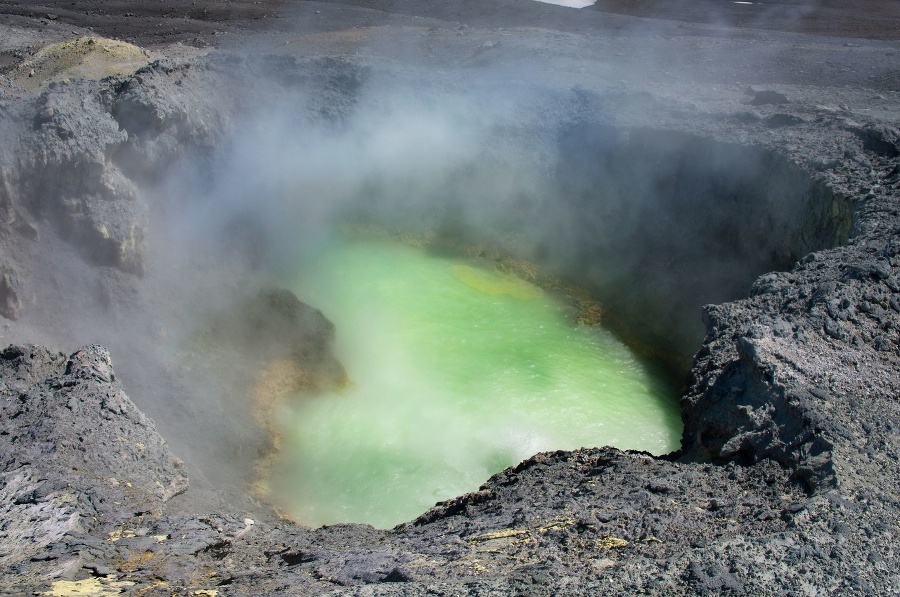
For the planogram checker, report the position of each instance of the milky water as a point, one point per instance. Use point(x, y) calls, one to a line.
point(457, 372)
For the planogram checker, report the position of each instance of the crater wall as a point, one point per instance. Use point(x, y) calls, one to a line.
point(789, 458)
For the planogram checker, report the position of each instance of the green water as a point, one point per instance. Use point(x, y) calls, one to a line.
point(457, 373)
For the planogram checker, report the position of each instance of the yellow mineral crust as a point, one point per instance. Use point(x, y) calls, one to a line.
point(84, 57)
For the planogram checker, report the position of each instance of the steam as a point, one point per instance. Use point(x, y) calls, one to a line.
point(491, 148)
point(451, 382)
point(420, 162)
point(655, 224)
point(246, 218)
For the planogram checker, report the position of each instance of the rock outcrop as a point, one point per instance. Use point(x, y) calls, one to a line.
point(76, 455)
point(787, 478)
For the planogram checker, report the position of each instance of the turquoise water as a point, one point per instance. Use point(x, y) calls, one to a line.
point(457, 372)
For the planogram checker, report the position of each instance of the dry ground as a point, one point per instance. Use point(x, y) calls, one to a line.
point(203, 23)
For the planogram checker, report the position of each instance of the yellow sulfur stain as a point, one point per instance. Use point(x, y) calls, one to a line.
point(559, 524)
point(496, 283)
point(611, 543)
point(278, 382)
point(205, 593)
point(500, 535)
point(120, 534)
point(95, 587)
point(83, 57)
point(589, 312)
point(136, 561)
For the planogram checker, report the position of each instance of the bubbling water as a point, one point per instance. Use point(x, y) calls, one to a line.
point(457, 372)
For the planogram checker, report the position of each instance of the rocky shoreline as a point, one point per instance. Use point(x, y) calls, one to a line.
point(787, 480)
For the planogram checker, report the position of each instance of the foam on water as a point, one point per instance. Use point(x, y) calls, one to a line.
point(457, 372)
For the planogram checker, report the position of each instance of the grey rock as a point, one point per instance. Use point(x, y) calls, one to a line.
point(10, 293)
point(789, 450)
point(767, 96)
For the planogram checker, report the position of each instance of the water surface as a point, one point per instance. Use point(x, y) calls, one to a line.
point(457, 372)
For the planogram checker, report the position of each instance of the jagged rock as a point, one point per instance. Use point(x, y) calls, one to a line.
point(75, 452)
point(10, 293)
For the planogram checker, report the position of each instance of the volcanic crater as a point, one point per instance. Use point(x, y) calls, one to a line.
point(728, 200)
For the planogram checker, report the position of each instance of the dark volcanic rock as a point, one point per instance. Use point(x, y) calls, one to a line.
point(69, 413)
point(76, 455)
point(768, 96)
point(787, 479)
